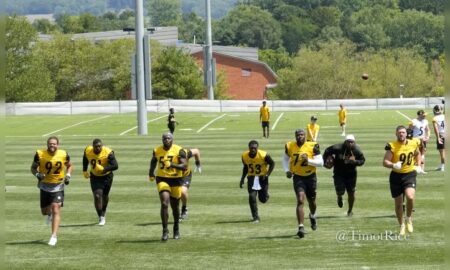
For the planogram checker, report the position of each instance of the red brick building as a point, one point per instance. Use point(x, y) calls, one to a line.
point(246, 76)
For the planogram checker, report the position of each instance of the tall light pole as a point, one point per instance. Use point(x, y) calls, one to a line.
point(140, 85)
point(208, 68)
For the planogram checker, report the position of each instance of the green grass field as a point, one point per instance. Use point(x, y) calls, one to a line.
point(218, 233)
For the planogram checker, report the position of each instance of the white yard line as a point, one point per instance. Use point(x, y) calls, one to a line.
point(404, 115)
point(276, 121)
point(77, 124)
point(210, 122)
point(133, 128)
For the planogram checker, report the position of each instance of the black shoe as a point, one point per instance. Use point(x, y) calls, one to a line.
point(313, 222)
point(256, 219)
point(176, 231)
point(165, 235)
point(301, 232)
point(340, 203)
point(176, 234)
point(184, 214)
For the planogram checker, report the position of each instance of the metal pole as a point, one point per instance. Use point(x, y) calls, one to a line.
point(208, 67)
point(140, 85)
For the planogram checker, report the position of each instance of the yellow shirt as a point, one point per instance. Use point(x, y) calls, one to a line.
point(100, 158)
point(342, 115)
point(312, 131)
point(296, 165)
point(264, 113)
point(405, 153)
point(256, 165)
point(53, 166)
point(172, 155)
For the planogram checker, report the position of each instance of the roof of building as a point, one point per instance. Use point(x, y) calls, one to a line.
point(164, 35)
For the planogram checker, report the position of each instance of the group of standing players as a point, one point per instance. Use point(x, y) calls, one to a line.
point(405, 157)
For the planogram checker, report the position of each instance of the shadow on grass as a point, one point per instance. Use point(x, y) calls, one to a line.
point(234, 221)
point(78, 225)
point(150, 224)
point(31, 242)
point(289, 236)
point(142, 241)
point(383, 216)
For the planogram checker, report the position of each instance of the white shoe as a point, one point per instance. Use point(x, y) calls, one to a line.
point(440, 168)
point(102, 221)
point(343, 134)
point(52, 241)
point(49, 219)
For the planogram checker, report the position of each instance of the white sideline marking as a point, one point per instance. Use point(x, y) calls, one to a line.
point(276, 121)
point(185, 128)
point(404, 115)
point(128, 130)
point(210, 122)
point(336, 113)
point(216, 128)
point(77, 124)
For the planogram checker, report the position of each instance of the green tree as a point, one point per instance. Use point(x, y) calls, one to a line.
point(276, 59)
point(434, 6)
point(26, 78)
point(249, 26)
point(44, 26)
point(163, 12)
point(297, 32)
point(418, 30)
point(176, 75)
point(191, 25)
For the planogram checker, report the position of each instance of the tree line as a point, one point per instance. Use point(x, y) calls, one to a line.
point(318, 48)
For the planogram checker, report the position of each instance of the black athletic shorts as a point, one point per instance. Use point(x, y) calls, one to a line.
point(307, 184)
point(263, 193)
point(343, 183)
point(440, 146)
point(398, 182)
point(102, 182)
point(47, 198)
point(187, 180)
point(265, 124)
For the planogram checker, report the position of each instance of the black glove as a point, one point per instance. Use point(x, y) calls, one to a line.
point(67, 179)
point(241, 183)
point(289, 174)
point(39, 176)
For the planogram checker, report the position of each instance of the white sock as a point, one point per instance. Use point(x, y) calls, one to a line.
point(312, 215)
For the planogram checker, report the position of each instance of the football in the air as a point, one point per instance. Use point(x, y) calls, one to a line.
point(365, 76)
point(329, 162)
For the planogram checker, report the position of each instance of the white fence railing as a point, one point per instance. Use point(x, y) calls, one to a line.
point(129, 106)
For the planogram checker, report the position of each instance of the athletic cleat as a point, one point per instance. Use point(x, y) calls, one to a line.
point(313, 222)
point(49, 219)
point(402, 230)
point(165, 235)
point(340, 203)
point(176, 234)
point(102, 221)
point(184, 214)
point(343, 134)
point(52, 241)
point(409, 226)
point(349, 214)
point(301, 232)
point(256, 219)
point(440, 169)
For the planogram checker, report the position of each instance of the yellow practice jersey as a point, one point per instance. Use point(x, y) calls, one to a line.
point(256, 165)
point(264, 113)
point(342, 115)
point(404, 153)
point(94, 159)
point(296, 165)
point(171, 155)
point(188, 157)
point(312, 131)
point(52, 166)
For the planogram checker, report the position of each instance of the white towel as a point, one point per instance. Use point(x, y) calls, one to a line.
point(256, 185)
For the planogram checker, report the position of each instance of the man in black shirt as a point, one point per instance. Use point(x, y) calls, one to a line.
point(344, 157)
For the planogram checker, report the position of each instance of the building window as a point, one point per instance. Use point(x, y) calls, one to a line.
point(246, 72)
